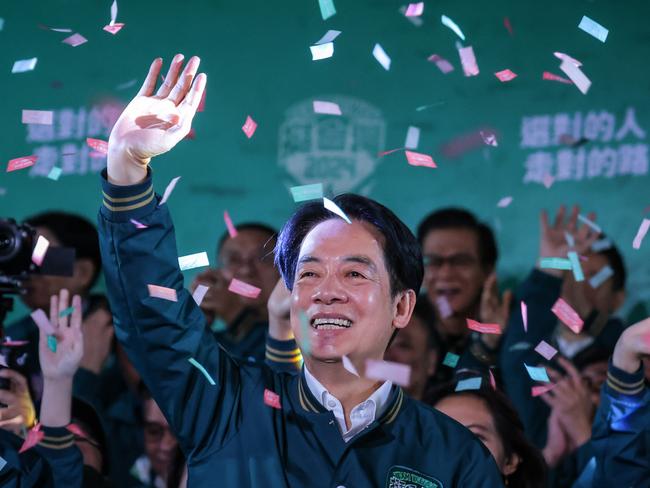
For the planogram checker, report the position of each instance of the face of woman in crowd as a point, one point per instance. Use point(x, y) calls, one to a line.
point(474, 414)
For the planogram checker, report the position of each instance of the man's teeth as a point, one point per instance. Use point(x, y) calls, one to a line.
point(329, 323)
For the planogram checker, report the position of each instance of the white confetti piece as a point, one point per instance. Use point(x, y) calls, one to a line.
point(347, 364)
point(412, 138)
point(590, 223)
point(593, 28)
point(398, 373)
point(334, 208)
point(40, 249)
point(468, 60)
point(643, 230)
point(192, 261)
point(446, 21)
point(605, 273)
point(322, 51)
point(199, 293)
point(444, 307)
point(489, 138)
point(329, 108)
point(329, 36)
point(381, 56)
point(24, 65)
point(169, 190)
point(566, 57)
point(504, 202)
point(577, 76)
point(545, 350)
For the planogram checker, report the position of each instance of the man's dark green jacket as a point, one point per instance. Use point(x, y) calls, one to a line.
point(229, 435)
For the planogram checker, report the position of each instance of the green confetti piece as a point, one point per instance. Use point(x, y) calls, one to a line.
point(304, 333)
point(55, 173)
point(575, 266)
point(66, 312)
point(520, 346)
point(200, 367)
point(451, 360)
point(537, 373)
point(555, 263)
point(327, 8)
point(218, 326)
point(307, 192)
point(51, 343)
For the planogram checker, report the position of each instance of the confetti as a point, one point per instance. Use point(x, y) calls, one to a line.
point(329, 37)
point(570, 240)
point(640, 234)
point(541, 389)
point(51, 343)
point(232, 231)
point(327, 8)
point(199, 293)
point(590, 223)
point(97, 145)
point(578, 275)
point(39, 251)
point(451, 359)
point(493, 382)
point(398, 373)
point(192, 261)
point(66, 312)
point(524, 315)
point(334, 208)
point(3, 463)
point(414, 9)
point(537, 373)
point(243, 289)
point(442, 64)
point(2, 24)
point(76, 430)
point(322, 51)
point(483, 328)
point(447, 22)
point(43, 117)
point(21, 163)
point(507, 25)
point(249, 127)
point(566, 57)
point(419, 159)
point(555, 263)
point(468, 60)
point(553, 77)
point(444, 308)
point(55, 173)
point(381, 56)
point(567, 315)
point(386, 153)
point(138, 225)
point(24, 65)
point(412, 138)
point(545, 350)
point(9, 343)
point(169, 190)
point(200, 367)
point(113, 29)
point(504, 202)
point(593, 28)
point(75, 40)
point(469, 384)
point(605, 273)
point(347, 364)
point(520, 346)
point(42, 321)
point(505, 75)
point(305, 346)
point(489, 138)
point(272, 399)
point(601, 245)
point(307, 192)
point(34, 436)
point(576, 76)
point(548, 180)
point(329, 108)
point(162, 292)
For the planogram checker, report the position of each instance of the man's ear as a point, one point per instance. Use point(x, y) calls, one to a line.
point(403, 305)
point(511, 465)
point(84, 269)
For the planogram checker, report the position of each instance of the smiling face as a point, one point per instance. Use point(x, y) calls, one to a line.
point(342, 285)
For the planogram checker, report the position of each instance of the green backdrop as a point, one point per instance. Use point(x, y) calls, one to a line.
point(257, 58)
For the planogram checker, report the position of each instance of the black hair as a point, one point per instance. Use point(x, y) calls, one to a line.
point(531, 472)
point(253, 226)
point(402, 253)
point(85, 416)
point(615, 261)
point(459, 218)
point(591, 355)
point(72, 231)
point(427, 315)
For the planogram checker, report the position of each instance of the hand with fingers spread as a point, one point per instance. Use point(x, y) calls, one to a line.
point(153, 123)
point(494, 309)
point(19, 411)
point(279, 306)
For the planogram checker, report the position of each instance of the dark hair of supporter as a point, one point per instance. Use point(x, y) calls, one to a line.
point(458, 218)
point(425, 312)
point(253, 226)
point(402, 253)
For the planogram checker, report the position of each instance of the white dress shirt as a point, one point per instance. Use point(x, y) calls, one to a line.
point(361, 416)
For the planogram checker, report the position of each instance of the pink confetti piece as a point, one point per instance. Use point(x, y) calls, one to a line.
point(398, 373)
point(76, 430)
point(334, 208)
point(545, 350)
point(391, 151)
point(507, 25)
point(524, 315)
point(576, 75)
point(483, 328)
point(329, 108)
point(34, 436)
point(162, 292)
point(42, 321)
point(548, 180)
point(419, 159)
point(640, 234)
point(10, 343)
point(567, 315)
point(40, 249)
point(138, 225)
point(232, 231)
point(43, 117)
point(489, 138)
point(75, 40)
point(504, 202)
point(553, 77)
point(244, 289)
point(169, 190)
point(505, 75)
point(199, 294)
point(444, 308)
point(414, 9)
point(97, 145)
point(272, 399)
point(21, 163)
point(349, 367)
point(541, 389)
point(113, 29)
point(249, 127)
point(442, 64)
point(468, 60)
point(493, 382)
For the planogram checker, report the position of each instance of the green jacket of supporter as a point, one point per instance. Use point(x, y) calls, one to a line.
point(230, 437)
point(621, 431)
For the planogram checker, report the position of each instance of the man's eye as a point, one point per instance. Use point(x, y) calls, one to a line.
point(307, 274)
point(355, 274)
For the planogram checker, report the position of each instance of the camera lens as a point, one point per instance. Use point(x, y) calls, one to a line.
point(7, 241)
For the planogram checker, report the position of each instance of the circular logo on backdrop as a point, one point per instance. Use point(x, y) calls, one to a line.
point(339, 151)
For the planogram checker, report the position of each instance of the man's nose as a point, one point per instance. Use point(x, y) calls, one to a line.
point(330, 290)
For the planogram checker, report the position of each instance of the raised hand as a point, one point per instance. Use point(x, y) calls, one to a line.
point(279, 306)
point(153, 123)
point(494, 309)
point(632, 347)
